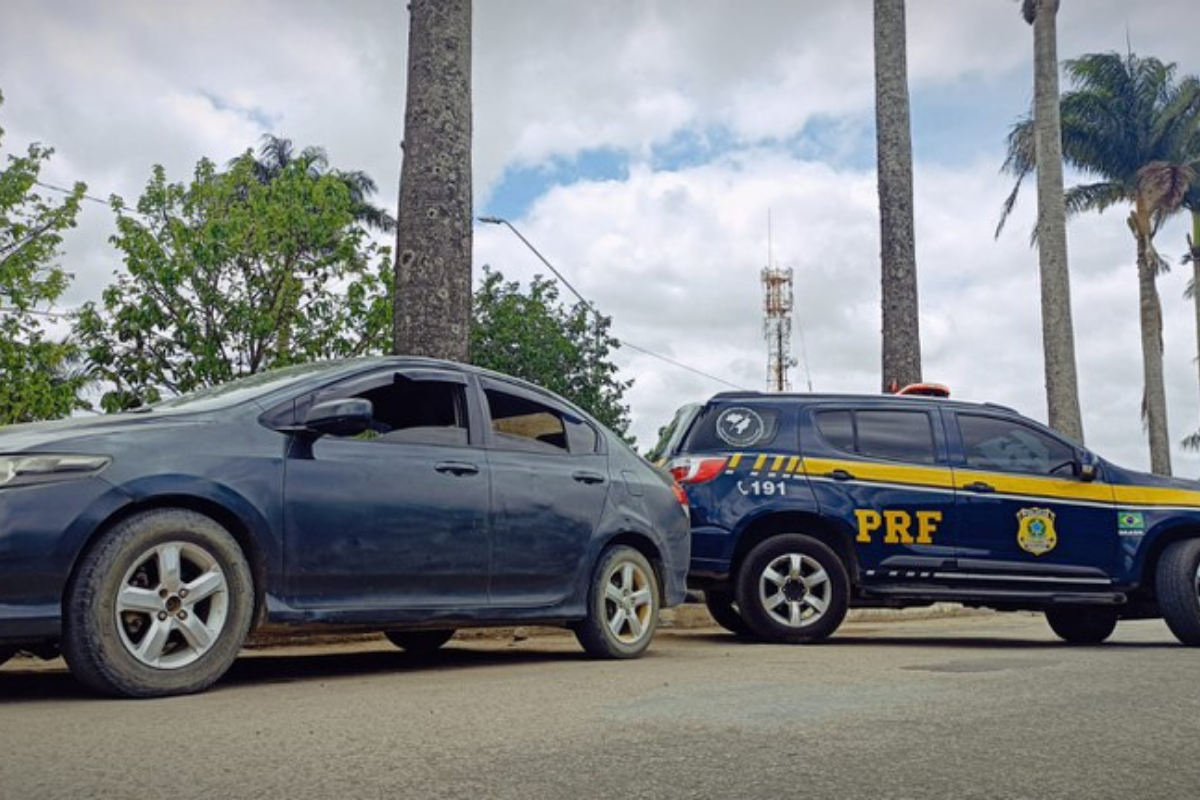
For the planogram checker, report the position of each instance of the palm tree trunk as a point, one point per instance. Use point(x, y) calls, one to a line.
point(1194, 249)
point(1058, 337)
point(432, 299)
point(1155, 397)
point(893, 137)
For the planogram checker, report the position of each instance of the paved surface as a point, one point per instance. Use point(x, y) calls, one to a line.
point(967, 707)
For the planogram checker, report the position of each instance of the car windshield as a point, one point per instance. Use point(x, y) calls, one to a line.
point(241, 389)
point(671, 436)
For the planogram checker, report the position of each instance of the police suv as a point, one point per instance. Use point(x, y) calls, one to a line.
point(805, 505)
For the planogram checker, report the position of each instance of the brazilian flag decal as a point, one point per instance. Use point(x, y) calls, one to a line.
point(1131, 521)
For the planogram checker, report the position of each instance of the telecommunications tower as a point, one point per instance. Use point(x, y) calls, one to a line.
point(777, 326)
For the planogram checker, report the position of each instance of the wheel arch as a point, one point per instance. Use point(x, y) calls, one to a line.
point(1153, 553)
point(219, 513)
point(801, 522)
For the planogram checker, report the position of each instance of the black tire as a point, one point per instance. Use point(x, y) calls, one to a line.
point(1177, 583)
point(723, 609)
point(805, 602)
point(6, 653)
point(1082, 624)
point(419, 642)
point(160, 606)
point(623, 605)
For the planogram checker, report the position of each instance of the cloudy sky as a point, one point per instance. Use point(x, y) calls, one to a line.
point(641, 146)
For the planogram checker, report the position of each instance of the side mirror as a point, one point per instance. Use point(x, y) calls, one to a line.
point(1085, 467)
point(340, 417)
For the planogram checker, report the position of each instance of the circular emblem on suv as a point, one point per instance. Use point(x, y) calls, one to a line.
point(740, 426)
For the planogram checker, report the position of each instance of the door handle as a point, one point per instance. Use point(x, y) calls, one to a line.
point(588, 477)
point(839, 475)
point(980, 486)
point(456, 468)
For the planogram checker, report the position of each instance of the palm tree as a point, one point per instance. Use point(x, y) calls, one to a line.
point(1128, 123)
point(1191, 201)
point(432, 310)
point(893, 138)
point(1058, 337)
point(276, 153)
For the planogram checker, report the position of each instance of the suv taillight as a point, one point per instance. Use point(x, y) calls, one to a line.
point(691, 469)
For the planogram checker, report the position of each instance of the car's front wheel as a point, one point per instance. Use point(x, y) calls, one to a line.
point(160, 606)
point(793, 589)
point(419, 642)
point(1177, 583)
point(1082, 624)
point(623, 605)
point(723, 609)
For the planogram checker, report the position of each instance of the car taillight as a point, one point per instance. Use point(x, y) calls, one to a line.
point(680, 495)
point(697, 470)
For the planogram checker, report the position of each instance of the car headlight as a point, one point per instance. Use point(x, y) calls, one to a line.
point(47, 467)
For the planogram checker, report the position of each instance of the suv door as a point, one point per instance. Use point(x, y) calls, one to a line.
point(883, 471)
point(550, 482)
point(1022, 511)
point(396, 517)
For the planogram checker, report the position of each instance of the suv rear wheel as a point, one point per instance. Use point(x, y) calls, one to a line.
point(1082, 624)
point(793, 589)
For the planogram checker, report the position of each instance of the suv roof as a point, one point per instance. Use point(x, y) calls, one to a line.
point(806, 398)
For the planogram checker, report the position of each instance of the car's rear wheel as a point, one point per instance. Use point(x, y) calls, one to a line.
point(1177, 582)
point(723, 609)
point(793, 589)
point(419, 642)
point(159, 607)
point(623, 605)
point(1082, 624)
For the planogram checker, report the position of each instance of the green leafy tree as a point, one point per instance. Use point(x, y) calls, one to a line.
point(229, 275)
point(531, 335)
point(1128, 124)
point(39, 375)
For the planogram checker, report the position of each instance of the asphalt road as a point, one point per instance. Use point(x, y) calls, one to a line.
point(963, 707)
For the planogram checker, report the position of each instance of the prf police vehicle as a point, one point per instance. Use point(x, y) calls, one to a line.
point(805, 505)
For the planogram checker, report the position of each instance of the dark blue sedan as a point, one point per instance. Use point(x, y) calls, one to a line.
point(401, 495)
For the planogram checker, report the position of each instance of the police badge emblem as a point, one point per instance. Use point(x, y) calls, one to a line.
point(1035, 530)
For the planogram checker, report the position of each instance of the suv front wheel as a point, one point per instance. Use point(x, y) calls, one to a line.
point(792, 589)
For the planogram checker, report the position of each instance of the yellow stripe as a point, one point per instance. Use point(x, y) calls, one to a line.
point(733, 462)
point(793, 463)
point(1155, 496)
point(1036, 485)
point(939, 477)
point(758, 462)
point(777, 464)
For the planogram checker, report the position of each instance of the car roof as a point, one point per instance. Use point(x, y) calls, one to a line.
point(885, 400)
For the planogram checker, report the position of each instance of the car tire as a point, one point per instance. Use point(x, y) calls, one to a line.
point(1082, 624)
point(160, 606)
point(792, 589)
point(419, 642)
point(1177, 583)
point(6, 653)
point(723, 609)
point(623, 605)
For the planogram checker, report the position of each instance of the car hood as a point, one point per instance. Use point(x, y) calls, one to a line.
point(1128, 477)
point(52, 434)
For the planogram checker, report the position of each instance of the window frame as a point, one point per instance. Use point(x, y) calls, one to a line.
point(936, 451)
point(492, 438)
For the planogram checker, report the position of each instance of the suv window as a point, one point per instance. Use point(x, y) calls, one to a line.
point(887, 434)
point(523, 424)
point(733, 426)
point(1005, 445)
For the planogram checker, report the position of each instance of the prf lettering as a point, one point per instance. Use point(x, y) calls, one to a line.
point(897, 526)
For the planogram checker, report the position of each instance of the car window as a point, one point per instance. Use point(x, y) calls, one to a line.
point(520, 423)
point(887, 434)
point(1005, 445)
point(734, 426)
point(419, 412)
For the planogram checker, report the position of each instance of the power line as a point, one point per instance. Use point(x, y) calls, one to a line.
point(588, 305)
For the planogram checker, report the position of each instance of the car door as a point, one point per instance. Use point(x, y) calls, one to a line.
point(1023, 511)
point(396, 517)
point(883, 472)
point(550, 482)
